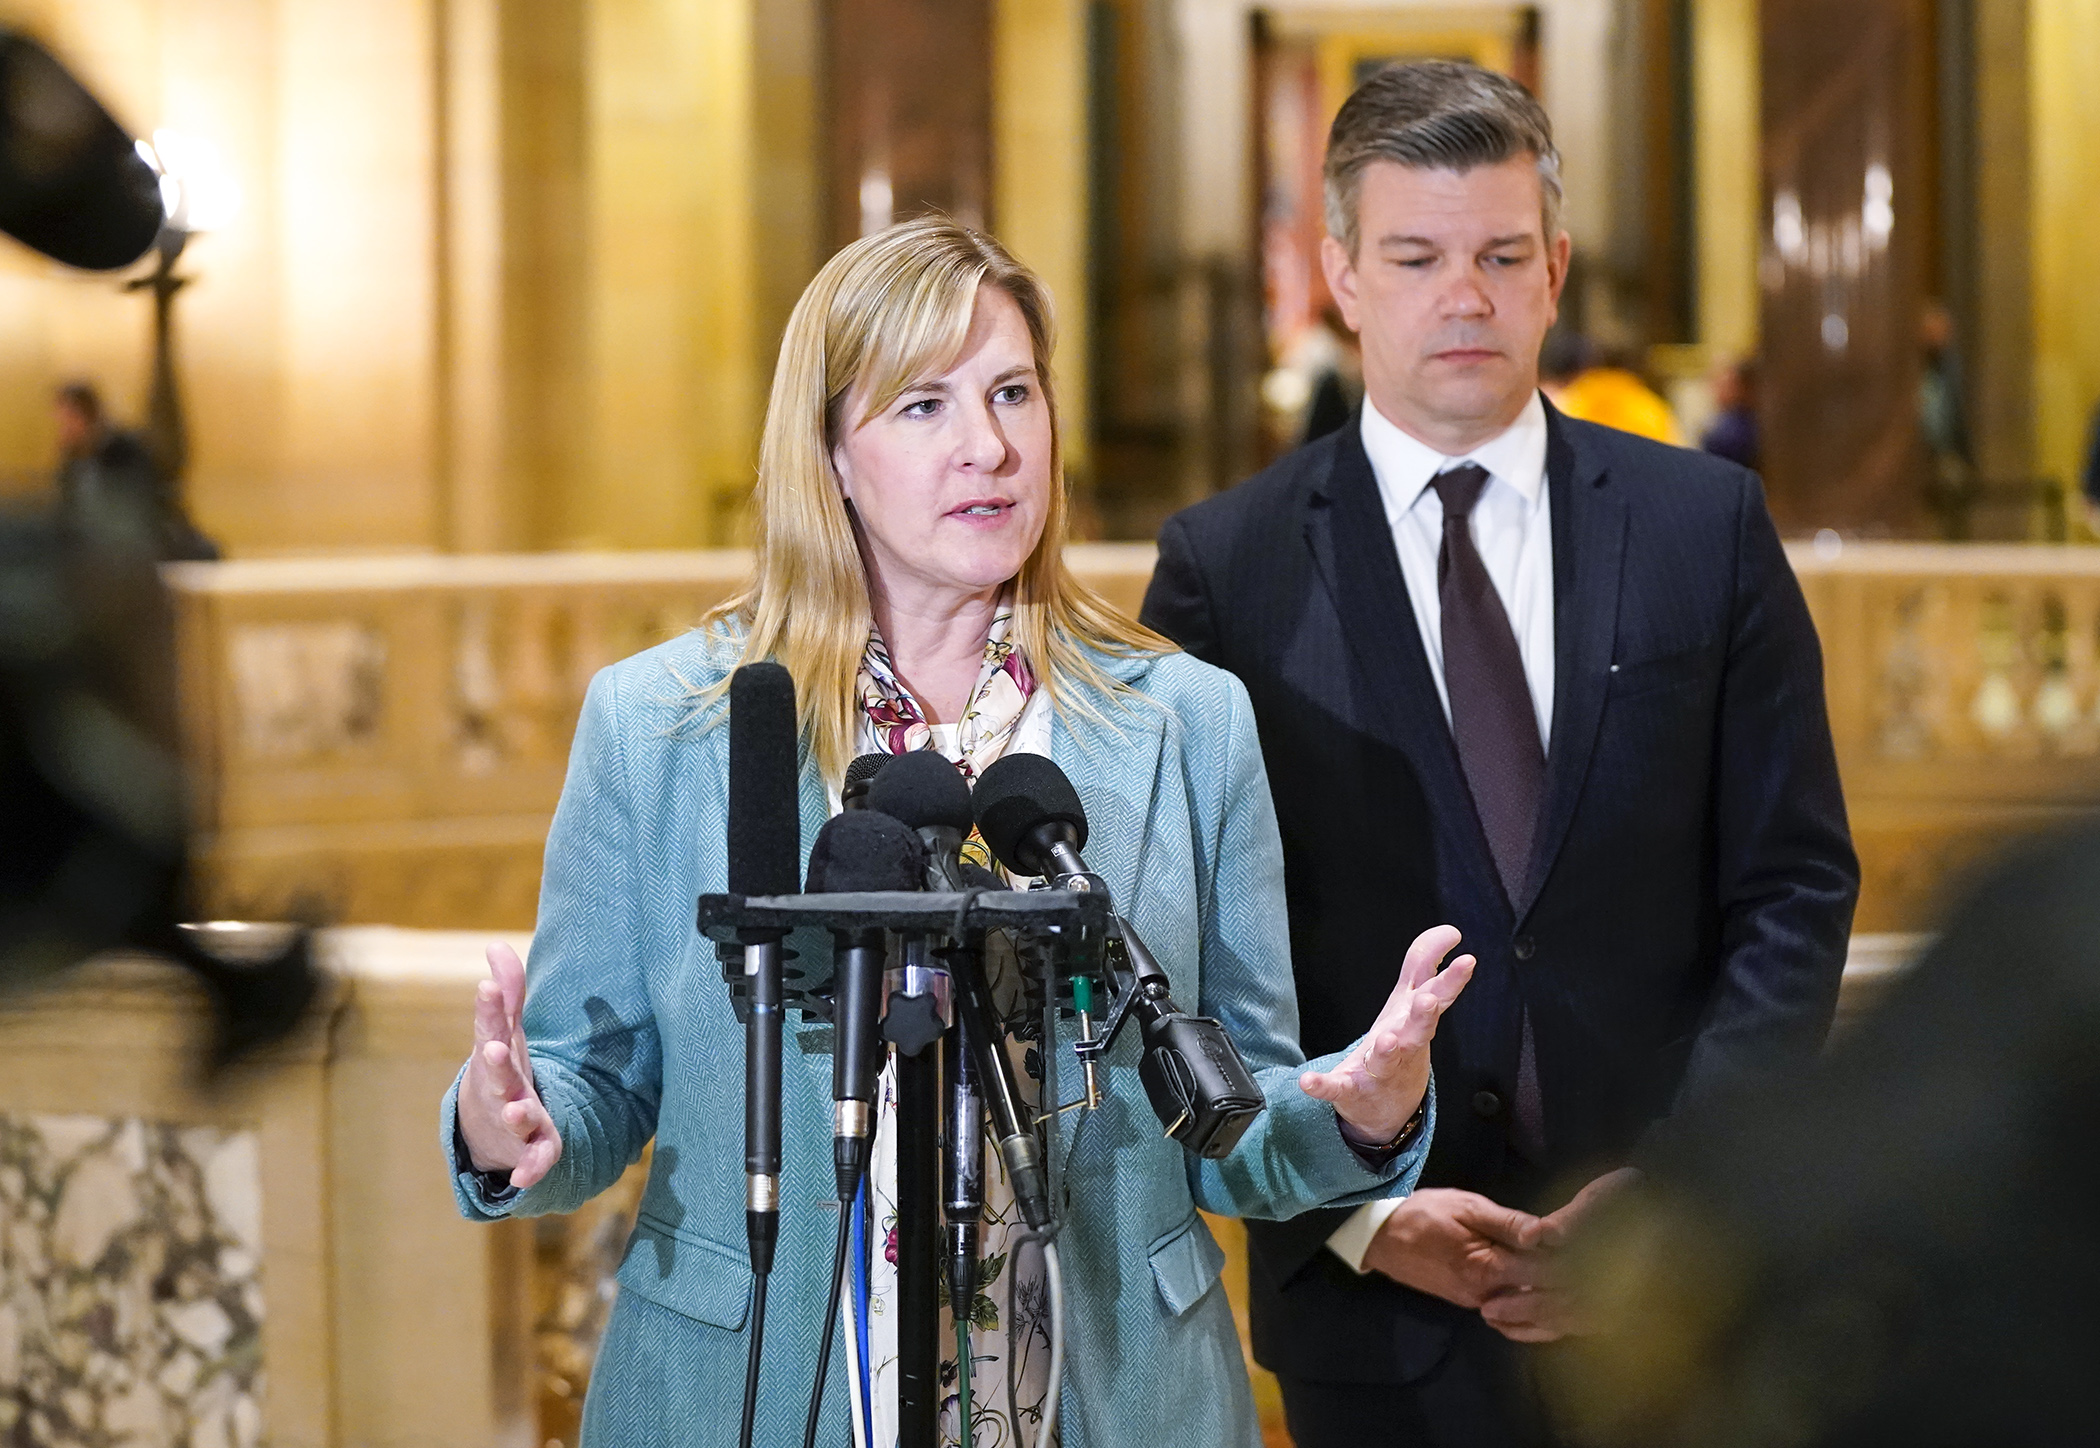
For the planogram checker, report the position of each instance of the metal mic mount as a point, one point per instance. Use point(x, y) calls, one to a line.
point(1201, 1090)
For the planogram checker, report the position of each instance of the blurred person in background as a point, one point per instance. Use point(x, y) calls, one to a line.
point(1585, 383)
point(109, 479)
point(1338, 385)
point(1943, 421)
point(1547, 680)
point(1942, 412)
point(1895, 1251)
point(2090, 482)
point(1733, 434)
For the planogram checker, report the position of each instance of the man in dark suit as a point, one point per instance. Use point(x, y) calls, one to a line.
point(1550, 682)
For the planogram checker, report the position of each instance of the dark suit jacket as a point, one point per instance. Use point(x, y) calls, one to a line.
point(1691, 889)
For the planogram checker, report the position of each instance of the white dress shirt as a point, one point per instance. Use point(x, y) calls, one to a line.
point(1512, 526)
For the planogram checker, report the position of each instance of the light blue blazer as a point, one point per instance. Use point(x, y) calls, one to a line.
point(632, 1037)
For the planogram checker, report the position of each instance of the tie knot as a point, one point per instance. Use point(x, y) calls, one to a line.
point(1459, 488)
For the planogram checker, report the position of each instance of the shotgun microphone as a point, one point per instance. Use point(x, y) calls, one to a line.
point(765, 844)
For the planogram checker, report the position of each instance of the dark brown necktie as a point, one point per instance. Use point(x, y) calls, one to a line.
point(1494, 726)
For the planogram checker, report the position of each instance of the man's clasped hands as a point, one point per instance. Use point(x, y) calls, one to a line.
point(1504, 1263)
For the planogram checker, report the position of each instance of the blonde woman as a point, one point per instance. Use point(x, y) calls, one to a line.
point(911, 517)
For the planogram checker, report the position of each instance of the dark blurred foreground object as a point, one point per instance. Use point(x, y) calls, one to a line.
point(91, 805)
point(72, 184)
point(1903, 1248)
point(109, 478)
point(92, 828)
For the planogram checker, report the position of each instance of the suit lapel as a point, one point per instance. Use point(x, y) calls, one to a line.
point(1352, 545)
point(1589, 543)
point(1118, 758)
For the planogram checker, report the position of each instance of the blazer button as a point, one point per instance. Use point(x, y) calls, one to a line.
point(1486, 1103)
point(1523, 947)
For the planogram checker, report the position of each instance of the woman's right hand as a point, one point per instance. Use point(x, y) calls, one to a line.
point(500, 1115)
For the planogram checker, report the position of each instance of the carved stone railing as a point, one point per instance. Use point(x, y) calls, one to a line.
point(1964, 689)
point(383, 740)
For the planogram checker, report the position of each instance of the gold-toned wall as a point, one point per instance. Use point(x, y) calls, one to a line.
point(509, 273)
point(1725, 61)
point(309, 334)
point(505, 274)
point(1039, 177)
point(2064, 84)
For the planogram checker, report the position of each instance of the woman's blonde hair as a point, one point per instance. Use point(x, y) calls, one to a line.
point(891, 310)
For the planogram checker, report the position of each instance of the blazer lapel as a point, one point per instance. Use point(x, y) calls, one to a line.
point(1118, 756)
point(1352, 543)
point(1589, 544)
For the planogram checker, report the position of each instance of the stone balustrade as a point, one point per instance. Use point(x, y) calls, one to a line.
point(383, 739)
point(1964, 689)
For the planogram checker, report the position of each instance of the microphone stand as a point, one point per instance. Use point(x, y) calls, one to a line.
point(918, 1249)
point(1060, 931)
point(918, 1198)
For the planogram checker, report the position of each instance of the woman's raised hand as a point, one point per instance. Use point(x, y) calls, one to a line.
point(1377, 1087)
point(500, 1114)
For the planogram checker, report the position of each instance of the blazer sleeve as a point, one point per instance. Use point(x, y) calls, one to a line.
point(1786, 875)
point(589, 1022)
point(1293, 1157)
point(1177, 601)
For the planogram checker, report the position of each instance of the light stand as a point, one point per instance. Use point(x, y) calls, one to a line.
point(166, 431)
point(198, 193)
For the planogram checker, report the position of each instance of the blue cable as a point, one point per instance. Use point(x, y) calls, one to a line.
point(860, 1308)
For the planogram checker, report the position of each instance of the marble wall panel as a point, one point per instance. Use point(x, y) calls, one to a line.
point(131, 1295)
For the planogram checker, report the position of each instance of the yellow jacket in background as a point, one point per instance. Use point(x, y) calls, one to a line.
point(1614, 397)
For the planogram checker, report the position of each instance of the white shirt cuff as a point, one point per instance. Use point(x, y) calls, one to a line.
point(1352, 1239)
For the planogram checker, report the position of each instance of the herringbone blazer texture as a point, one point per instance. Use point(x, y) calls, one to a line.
point(632, 1037)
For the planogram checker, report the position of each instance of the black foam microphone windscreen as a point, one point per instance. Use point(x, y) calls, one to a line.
point(866, 850)
point(1018, 794)
point(765, 830)
point(923, 790)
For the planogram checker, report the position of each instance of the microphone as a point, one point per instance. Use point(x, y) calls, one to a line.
point(859, 850)
point(929, 794)
point(853, 794)
point(962, 1201)
point(1032, 820)
point(765, 841)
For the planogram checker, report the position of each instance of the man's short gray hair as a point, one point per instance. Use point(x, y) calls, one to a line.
point(1436, 115)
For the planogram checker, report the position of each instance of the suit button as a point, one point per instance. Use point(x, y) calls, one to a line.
point(1523, 947)
point(1486, 1103)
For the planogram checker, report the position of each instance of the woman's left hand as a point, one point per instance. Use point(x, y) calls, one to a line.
point(1377, 1087)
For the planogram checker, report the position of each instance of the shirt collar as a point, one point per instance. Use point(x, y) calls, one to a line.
point(1403, 464)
